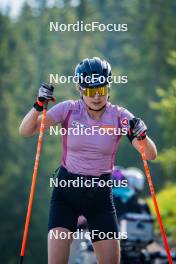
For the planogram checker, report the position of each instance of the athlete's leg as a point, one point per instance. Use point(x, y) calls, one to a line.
point(103, 226)
point(59, 241)
point(62, 222)
point(107, 251)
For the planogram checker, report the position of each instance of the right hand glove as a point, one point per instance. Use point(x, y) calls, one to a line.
point(45, 94)
point(138, 128)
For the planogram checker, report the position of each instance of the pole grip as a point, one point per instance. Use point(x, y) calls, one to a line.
point(45, 105)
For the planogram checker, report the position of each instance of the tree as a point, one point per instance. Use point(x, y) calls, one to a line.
point(167, 118)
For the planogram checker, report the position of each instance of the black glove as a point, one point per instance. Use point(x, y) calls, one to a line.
point(137, 129)
point(45, 94)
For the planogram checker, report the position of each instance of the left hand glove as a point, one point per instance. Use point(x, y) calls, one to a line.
point(45, 94)
point(138, 128)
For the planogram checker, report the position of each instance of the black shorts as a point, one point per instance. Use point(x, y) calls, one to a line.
point(95, 203)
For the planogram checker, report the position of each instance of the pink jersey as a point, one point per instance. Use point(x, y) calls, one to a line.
point(89, 153)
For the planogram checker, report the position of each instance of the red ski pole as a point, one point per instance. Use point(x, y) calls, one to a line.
point(34, 178)
point(152, 191)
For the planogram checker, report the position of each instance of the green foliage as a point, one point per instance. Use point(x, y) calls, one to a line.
point(167, 118)
point(167, 208)
point(167, 108)
point(167, 159)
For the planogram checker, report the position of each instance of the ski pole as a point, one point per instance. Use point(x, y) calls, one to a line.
point(152, 191)
point(34, 177)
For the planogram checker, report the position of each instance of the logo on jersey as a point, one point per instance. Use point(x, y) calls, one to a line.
point(76, 123)
point(124, 122)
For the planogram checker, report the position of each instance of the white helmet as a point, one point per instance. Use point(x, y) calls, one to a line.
point(135, 178)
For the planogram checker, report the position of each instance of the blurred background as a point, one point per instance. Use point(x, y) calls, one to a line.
point(29, 52)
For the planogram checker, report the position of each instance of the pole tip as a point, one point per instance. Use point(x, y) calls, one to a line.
point(20, 260)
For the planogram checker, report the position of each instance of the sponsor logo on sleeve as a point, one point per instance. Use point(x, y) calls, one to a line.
point(124, 122)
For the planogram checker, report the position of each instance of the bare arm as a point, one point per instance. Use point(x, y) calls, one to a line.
point(149, 147)
point(30, 125)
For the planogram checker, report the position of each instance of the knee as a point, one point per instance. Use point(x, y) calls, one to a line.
point(58, 249)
